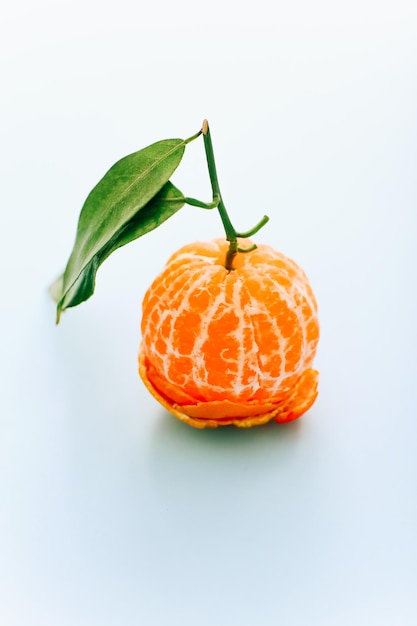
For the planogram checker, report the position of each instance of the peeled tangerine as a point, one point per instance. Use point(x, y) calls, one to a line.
point(230, 347)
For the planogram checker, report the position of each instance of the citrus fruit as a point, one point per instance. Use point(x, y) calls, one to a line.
point(222, 347)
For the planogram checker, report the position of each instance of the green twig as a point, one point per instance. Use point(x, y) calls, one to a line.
point(231, 234)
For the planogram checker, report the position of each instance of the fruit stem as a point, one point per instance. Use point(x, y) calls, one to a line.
point(231, 234)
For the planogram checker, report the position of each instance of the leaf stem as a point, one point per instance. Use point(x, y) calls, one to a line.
point(190, 139)
point(231, 234)
point(202, 205)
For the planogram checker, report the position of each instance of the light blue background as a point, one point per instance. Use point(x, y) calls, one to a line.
point(111, 511)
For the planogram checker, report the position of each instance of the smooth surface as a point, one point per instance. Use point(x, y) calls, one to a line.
point(111, 511)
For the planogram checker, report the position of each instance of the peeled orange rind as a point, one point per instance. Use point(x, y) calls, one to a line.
point(183, 412)
point(226, 413)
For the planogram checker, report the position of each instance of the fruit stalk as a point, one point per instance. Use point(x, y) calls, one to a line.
point(231, 233)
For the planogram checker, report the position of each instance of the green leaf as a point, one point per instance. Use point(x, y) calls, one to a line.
point(113, 208)
point(167, 201)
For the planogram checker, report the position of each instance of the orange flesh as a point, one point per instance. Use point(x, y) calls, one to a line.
point(230, 347)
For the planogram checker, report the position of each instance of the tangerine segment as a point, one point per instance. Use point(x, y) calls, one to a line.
point(212, 335)
point(227, 413)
